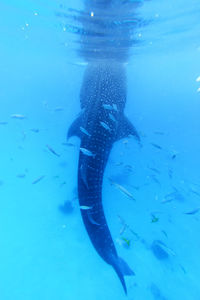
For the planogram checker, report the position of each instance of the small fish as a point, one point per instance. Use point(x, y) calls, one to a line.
point(128, 227)
point(68, 144)
point(123, 229)
point(128, 168)
point(167, 200)
point(194, 192)
point(85, 207)
point(91, 218)
point(115, 107)
point(18, 116)
point(126, 242)
point(118, 164)
point(52, 151)
point(156, 146)
point(170, 196)
point(193, 212)
point(36, 130)
point(104, 125)
point(136, 187)
point(196, 184)
point(112, 118)
point(58, 109)
point(165, 233)
point(155, 179)
point(87, 152)
point(170, 173)
point(154, 219)
point(159, 250)
point(63, 183)
point(38, 179)
point(156, 292)
point(23, 135)
point(154, 169)
point(46, 105)
point(123, 190)
point(159, 132)
point(107, 106)
point(176, 195)
point(183, 269)
point(3, 123)
point(21, 175)
point(167, 249)
point(84, 131)
point(67, 207)
point(119, 241)
point(125, 142)
point(83, 175)
point(173, 156)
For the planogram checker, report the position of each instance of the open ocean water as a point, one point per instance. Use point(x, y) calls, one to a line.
point(151, 192)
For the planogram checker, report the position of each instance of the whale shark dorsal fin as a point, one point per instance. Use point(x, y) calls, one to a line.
point(125, 129)
point(74, 129)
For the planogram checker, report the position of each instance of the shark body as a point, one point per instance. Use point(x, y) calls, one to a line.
point(101, 123)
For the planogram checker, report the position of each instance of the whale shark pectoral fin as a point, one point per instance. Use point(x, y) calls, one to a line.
point(126, 128)
point(74, 129)
point(122, 269)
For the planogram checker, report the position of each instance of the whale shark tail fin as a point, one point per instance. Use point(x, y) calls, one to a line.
point(122, 269)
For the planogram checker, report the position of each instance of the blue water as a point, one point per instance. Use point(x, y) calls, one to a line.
point(45, 253)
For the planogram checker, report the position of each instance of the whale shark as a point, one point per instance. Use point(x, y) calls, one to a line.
point(103, 94)
point(104, 44)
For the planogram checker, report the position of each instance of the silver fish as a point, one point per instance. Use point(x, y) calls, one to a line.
point(115, 107)
point(156, 146)
point(112, 118)
point(18, 116)
point(107, 106)
point(52, 151)
point(104, 125)
point(87, 152)
point(193, 212)
point(85, 207)
point(194, 192)
point(84, 131)
point(122, 189)
point(154, 169)
point(38, 179)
